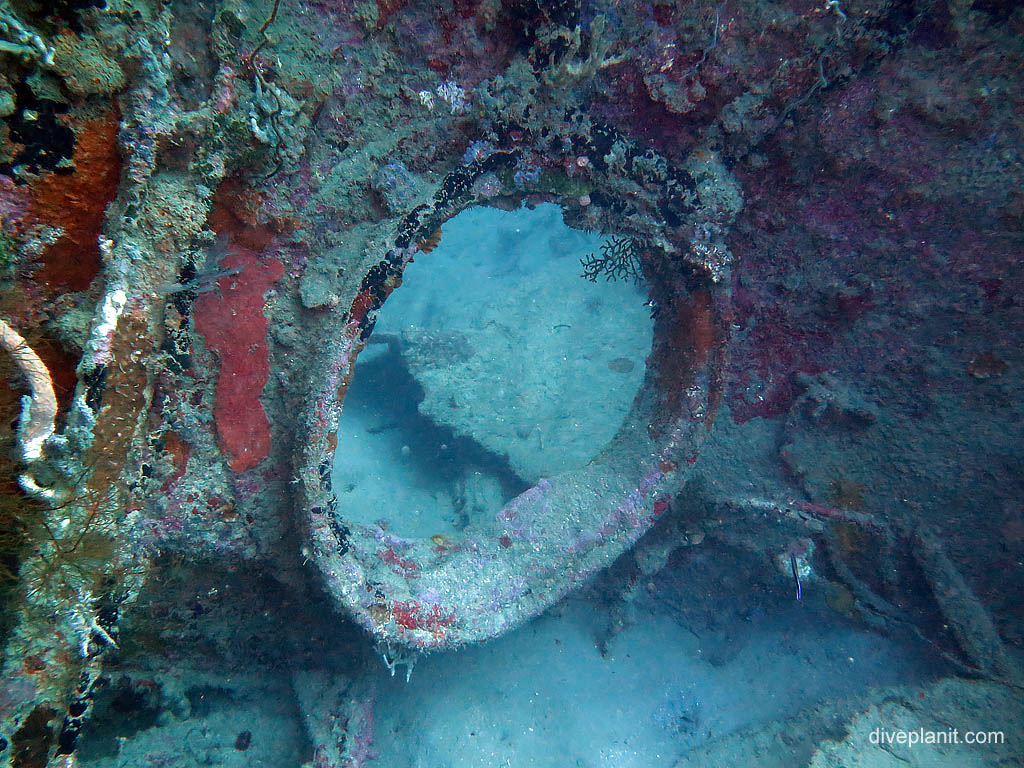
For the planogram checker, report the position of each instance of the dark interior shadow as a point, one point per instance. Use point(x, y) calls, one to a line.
point(388, 396)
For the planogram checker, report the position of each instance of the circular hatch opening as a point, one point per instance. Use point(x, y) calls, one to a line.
point(494, 365)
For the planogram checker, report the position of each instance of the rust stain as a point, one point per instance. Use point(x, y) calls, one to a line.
point(430, 242)
point(691, 342)
point(76, 202)
point(236, 212)
point(123, 399)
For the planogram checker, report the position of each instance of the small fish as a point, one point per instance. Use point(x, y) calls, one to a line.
point(209, 272)
point(796, 577)
point(202, 282)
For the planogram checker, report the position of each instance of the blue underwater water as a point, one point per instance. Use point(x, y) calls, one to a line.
point(534, 388)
